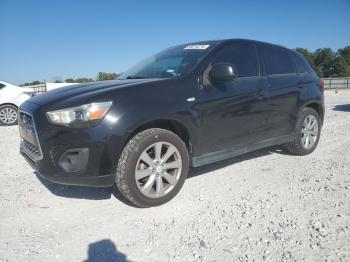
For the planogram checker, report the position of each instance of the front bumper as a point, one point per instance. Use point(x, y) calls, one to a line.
point(94, 167)
point(94, 181)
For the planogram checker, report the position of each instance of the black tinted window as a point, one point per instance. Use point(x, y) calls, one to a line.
point(2, 86)
point(278, 61)
point(300, 64)
point(242, 56)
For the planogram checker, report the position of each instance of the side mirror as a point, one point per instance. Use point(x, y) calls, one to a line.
point(222, 72)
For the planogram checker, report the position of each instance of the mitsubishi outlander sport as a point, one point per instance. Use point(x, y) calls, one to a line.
point(189, 105)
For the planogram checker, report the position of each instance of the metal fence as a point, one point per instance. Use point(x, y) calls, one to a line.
point(337, 83)
point(38, 89)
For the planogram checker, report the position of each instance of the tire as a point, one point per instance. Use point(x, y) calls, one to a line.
point(145, 181)
point(8, 115)
point(298, 145)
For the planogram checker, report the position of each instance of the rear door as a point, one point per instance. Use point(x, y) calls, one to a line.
point(234, 114)
point(283, 89)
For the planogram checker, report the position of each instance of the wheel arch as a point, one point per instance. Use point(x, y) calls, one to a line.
point(172, 125)
point(317, 107)
point(9, 104)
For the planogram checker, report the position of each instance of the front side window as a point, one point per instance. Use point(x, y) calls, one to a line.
point(242, 56)
point(278, 61)
point(170, 63)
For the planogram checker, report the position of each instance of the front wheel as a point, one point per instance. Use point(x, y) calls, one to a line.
point(307, 133)
point(8, 115)
point(152, 168)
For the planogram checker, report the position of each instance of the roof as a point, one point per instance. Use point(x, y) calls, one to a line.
point(218, 41)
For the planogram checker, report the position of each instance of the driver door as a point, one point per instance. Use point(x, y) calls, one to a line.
point(234, 113)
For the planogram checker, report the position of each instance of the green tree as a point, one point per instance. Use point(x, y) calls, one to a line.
point(324, 60)
point(69, 80)
point(83, 80)
point(33, 83)
point(102, 76)
point(338, 67)
point(345, 54)
point(79, 80)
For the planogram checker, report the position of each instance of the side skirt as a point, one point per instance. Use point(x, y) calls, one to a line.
point(235, 151)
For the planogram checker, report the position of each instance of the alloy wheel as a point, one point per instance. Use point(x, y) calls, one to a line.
point(8, 115)
point(158, 169)
point(309, 131)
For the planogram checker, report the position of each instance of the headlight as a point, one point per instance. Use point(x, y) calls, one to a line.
point(81, 116)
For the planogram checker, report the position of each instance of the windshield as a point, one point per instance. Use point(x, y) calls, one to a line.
point(170, 63)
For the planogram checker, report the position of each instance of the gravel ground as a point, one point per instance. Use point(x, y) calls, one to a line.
point(265, 205)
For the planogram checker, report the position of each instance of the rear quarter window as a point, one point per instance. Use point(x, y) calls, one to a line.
point(306, 64)
point(300, 64)
point(2, 86)
point(278, 61)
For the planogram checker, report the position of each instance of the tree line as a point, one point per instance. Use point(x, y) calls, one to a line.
point(101, 76)
point(328, 63)
point(325, 62)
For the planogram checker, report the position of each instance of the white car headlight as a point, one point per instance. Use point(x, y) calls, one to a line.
point(80, 116)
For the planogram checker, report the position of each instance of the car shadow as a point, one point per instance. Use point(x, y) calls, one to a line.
point(342, 108)
point(104, 251)
point(235, 160)
point(92, 193)
point(76, 191)
point(83, 192)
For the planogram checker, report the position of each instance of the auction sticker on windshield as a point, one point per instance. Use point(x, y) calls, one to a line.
point(197, 47)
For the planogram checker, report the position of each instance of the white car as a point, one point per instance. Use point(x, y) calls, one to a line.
point(11, 97)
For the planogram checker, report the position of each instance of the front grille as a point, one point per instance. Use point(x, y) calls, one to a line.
point(29, 139)
point(32, 150)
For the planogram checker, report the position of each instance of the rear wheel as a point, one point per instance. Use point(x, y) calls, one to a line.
point(307, 133)
point(8, 115)
point(152, 168)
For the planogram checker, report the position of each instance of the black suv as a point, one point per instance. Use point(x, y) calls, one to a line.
point(188, 105)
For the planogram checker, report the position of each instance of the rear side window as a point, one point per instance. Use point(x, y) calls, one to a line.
point(242, 56)
point(2, 86)
point(278, 60)
point(300, 64)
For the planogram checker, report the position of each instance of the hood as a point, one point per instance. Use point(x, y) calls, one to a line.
point(94, 88)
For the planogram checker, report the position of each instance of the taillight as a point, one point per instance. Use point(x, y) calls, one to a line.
point(321, 84)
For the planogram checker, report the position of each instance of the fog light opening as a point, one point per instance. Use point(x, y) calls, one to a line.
point(74, 160)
